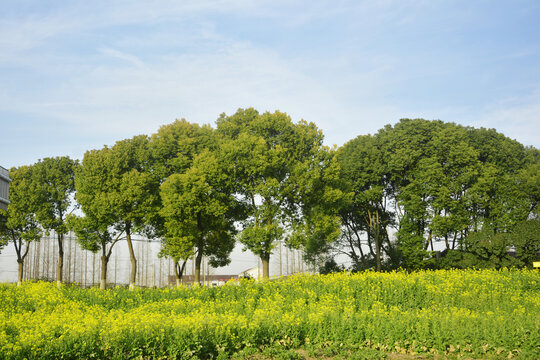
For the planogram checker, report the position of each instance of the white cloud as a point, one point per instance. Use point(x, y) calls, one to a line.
point(132, 59)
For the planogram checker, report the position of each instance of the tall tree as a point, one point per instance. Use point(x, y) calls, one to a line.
point(199, 211)
point(173, 149)
point(364, 171)
point(443, 181)
point(267, 150)
point(54, 182)
point(316, 195)
point(115, 187)
point(18, 223)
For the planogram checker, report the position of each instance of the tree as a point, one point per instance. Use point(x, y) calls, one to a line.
point(54, 184)
point(490, 248)
point(172, 150)
point(18, 223)
point(199, 211)
point(528, 182)
point(268, 152)
point(316, 194)
point(525, 238)
point(115, 187)
point(94, 235)
point(434, 182)
point(364, 172)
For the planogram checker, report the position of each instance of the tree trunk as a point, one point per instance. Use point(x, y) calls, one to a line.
point(370, 244)
point(378, 250)
point(179, 272)
point(60, 267)
point(133, 273)
point(20, 278)
point(103, 279)
point(266, 265)
point(197, 274)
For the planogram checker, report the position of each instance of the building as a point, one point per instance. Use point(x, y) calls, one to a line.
point(207, 280)
point(252, 273)
point(4, 188)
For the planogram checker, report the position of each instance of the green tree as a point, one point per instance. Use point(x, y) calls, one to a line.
point(271, 156)
point(173, 149)
point(115, 187)
point(54, 184)
point(95, 235)
point(316, 195)
point(199, 211)
point(490, 248)
point(528, 183)
point(434, 182)
point(18, 223)
point(364, 175)
point(525, 238)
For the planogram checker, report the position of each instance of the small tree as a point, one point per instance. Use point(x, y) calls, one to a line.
point(115, 188)
point(54, 185)
point(94, 235)
point(18, 223)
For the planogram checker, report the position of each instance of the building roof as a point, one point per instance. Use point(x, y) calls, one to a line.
point(189, 278)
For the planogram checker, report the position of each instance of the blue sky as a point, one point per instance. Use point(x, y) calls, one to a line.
point(76, 75)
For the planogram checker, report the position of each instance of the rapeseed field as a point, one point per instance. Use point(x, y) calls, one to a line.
point(428, 314)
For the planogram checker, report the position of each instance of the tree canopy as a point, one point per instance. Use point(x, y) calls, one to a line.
point(416, 194)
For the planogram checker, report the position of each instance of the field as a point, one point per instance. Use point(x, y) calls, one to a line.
point(429, 315)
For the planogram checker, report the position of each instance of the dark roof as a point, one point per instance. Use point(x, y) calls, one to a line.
point(189, 278)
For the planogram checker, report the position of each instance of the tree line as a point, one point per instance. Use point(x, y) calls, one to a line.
point(382, 200)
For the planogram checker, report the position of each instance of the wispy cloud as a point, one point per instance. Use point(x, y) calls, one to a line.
point(109, 70)
point(132, 59)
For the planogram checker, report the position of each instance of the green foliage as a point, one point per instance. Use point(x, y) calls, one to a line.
point(117, 191)
point(91, 234)
point(174, 146)
point(18, 223)
point(279, 169)
point(198, 209)
point(330, 266)
point(433, 182)
point(525, 237)
point(411, 247)
point(114, 187)
point(490, 248)
point(54, 181)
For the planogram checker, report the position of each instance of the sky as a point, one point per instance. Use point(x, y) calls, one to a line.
point(78, 75)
